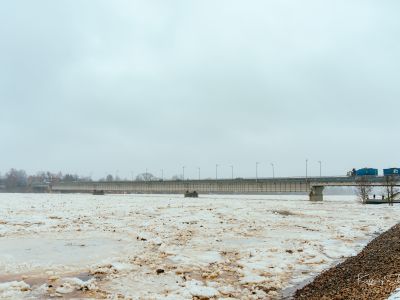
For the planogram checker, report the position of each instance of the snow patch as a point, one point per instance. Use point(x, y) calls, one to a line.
point(13, 289)
point(197, 289)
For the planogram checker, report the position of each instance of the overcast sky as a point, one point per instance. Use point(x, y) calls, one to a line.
point(96, 87)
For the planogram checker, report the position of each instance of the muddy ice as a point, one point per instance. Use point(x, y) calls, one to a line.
point(169, 247)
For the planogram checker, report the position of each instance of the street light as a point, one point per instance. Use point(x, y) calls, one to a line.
point(183, 174)
point(320, 168)
point(273, 170)
point(306, 168)
point(257, 163)
point(232, 171)
point(216, 172)
point(199, 172)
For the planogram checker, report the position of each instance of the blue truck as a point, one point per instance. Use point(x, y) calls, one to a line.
point(367, 172)
point(374, 172)
point(391, 171)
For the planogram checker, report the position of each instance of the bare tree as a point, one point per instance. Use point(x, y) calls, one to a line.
point(363, 188)
point(16, 178)
point(70, 178)
point(392, 192)
point(145, 177)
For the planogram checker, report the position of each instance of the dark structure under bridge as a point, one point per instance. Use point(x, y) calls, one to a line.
point(313, 186)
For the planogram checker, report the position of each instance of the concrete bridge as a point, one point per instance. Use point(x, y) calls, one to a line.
point(313, 186)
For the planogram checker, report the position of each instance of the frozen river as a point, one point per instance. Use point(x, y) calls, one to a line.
point(169, 247)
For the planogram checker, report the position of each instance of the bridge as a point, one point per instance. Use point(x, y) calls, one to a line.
point(313, 186)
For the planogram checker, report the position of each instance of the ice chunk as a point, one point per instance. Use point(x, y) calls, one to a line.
point(65, 289)
point(252, 279)
point(80, 284)
point(13, 289)
point(197, 289)
point(395, 295)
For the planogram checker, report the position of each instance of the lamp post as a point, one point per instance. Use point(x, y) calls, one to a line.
point(320, 168)
point(183, 173)
point(257, 163)
point(232, 171)
point(306, 168)
point(199, 172)
point(273, 170)
point(216, 172)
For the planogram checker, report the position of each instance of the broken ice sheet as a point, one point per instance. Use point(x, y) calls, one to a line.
point(216, 246)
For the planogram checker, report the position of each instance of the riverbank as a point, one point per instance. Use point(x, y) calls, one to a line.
point(372, 274)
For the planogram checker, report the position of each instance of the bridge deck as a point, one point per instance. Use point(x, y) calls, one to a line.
point(269, 185)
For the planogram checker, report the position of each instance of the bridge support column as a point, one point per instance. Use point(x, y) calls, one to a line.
point(316, 193)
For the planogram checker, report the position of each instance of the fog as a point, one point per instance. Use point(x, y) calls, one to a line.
point(98, 87)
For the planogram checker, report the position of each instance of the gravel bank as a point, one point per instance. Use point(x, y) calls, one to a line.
point(372, 274)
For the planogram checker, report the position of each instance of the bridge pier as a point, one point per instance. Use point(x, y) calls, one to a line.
point(316, 193)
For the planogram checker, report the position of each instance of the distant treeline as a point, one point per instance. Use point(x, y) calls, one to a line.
point(19, 181)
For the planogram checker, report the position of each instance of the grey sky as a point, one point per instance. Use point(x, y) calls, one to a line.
point(99, 86)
